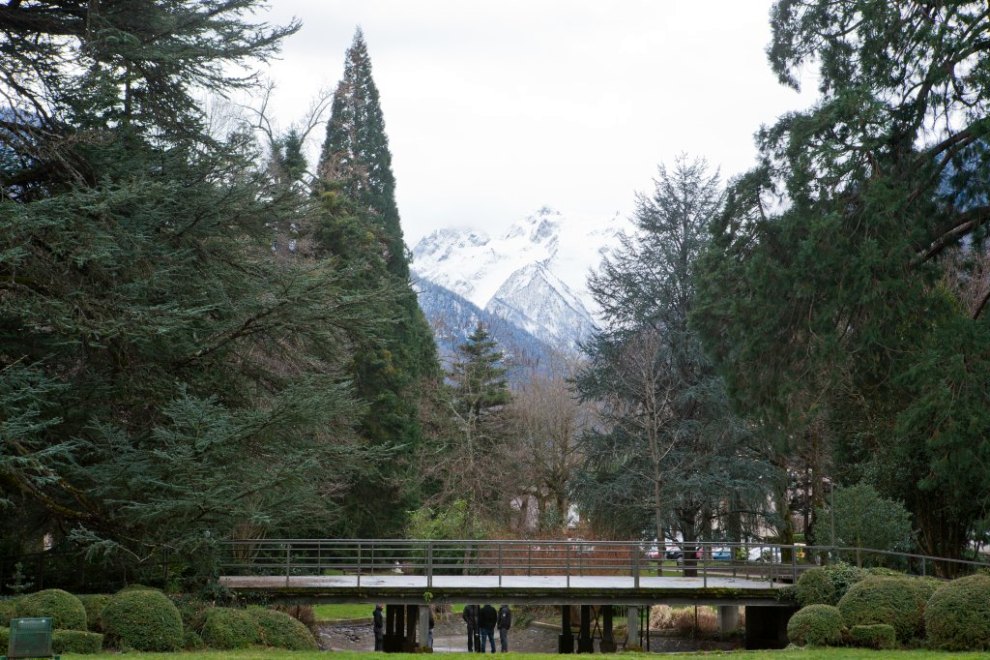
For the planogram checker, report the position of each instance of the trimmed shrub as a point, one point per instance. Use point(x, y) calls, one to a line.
point(191, 641)
point(958, 615)
point(94, 604)
point(76, 641)
point(67, 611)
point(193, 611)
point(229, 628)
point(816, 625)
point(282, 631)
point(8, 610)
point(138, 587)
point(897, 601)
point(302, 613)
point(815, 587)
point(142, 620)
point(875, 636)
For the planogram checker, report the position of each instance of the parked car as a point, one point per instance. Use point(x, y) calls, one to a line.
point(765, 553)
point(673, 552)
point(722, 554)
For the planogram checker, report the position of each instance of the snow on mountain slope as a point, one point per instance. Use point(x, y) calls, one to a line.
point(533, 276)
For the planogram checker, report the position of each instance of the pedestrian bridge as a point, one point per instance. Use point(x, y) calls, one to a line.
point(549, 572)
point(601, 577)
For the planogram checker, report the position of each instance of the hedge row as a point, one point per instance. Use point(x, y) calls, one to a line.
point(880, 611)
point(65, 641)
point(143, 619)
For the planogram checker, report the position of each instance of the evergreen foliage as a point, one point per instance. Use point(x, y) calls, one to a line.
point(229, 628)
point(76, 641)
point(896, 601)
point(826, 585)
point(873, 636)
point(67, 611)
point(279, 630)
point(669, 452)
point(477, 465)
point(359, 226)
point(864, 519)
point(94, 604)
point(164, 381)
point(142, 620)
point(816, 625)
point(957, 617)
point(842, 284)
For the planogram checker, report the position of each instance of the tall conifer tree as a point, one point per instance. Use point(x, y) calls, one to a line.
point(361, 227)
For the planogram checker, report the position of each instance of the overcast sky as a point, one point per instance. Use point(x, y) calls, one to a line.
point(496, 108)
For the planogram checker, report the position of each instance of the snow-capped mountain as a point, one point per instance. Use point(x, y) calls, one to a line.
point(533, 276)
point(453, 318)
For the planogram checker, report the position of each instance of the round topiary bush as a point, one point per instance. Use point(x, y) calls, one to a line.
point(280, 630)
point(816, 625)
point(191, 641)
point(142, 620)
point(66, 610)
point(896, 601)
point(958, 615)
point(815, 587)
point(94, 604)
point(76, 641)
point(875, 636)
point(228, 628)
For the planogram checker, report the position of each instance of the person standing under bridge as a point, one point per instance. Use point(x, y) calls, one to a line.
point(379, 627)
point(504, 623)
point(487, 619)
point(470, 616)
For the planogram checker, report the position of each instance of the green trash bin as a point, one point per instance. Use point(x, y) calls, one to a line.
point(30, 637)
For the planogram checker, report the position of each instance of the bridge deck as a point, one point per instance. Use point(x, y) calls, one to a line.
point(557, 589)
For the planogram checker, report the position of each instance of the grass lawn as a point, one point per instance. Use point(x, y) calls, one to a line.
point(811, 654)
point(350, 611)
point(343, 611)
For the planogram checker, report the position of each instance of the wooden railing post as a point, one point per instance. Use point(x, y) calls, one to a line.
point(288, 552)
point(500, 563)
point(636, 567)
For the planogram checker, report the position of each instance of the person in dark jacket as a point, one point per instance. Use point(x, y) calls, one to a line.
point(470, 616)
point(504, 623)
point(487, 619)
point(379, 627)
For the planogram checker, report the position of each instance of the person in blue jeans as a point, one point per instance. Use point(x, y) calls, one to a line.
point(487, 618)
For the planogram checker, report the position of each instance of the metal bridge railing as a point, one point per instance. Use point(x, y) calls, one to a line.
point(502, 558)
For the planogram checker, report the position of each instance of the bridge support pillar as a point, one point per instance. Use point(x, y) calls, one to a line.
point(607, 645)
point(395, 617)
point(565, 643)
point(424, 627)
point(585, 643)
point(766, 627)
point(728, 619)
point(409, 639)
point(632, 627)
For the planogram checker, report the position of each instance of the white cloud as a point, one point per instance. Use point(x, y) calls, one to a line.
point(496, 108)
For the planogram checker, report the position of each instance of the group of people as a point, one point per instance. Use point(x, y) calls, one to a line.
point(481, 622)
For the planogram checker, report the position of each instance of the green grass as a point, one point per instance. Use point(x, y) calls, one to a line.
point(811, 654)
point(343, 611)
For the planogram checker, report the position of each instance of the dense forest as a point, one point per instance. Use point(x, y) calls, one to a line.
point(204, 336)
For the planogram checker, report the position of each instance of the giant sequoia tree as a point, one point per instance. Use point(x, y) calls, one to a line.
point(860, 301)
point(669, 454)
point(163, 380)
point(360, 227)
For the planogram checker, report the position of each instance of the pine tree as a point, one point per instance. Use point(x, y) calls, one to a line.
point(478, 463)
point(360, 227)
point(164, 382)
point(669, 454)
point(356, 156)
point(843, 304)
